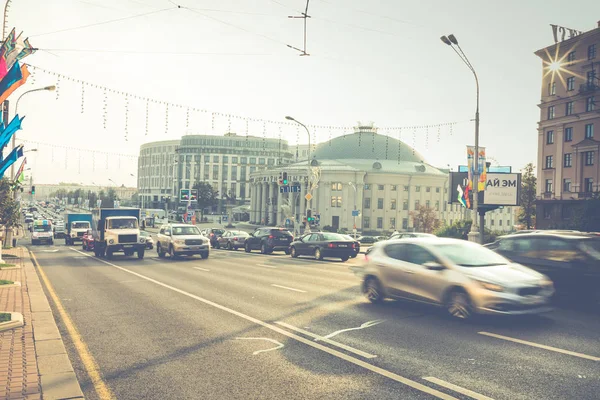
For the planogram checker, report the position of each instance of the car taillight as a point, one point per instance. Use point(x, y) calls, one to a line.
point(235, 238)
point(331, 245)
point(353, 245)
point(212, 234)
point(270, 236)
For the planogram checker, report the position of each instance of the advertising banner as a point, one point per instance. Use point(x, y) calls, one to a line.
point(502, 189)
point(480, 168)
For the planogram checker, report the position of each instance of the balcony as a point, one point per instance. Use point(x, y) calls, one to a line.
point(588, 87)
point(587, 195)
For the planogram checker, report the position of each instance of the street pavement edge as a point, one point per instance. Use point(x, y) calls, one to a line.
point(57, 376)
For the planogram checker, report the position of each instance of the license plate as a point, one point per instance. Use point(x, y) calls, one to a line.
point(343, 245)
point(128, 245)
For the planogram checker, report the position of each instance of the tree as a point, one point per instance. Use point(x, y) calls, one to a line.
point(207, 196)
point(586, 215)
point(425, 219)
point(9, 207)
point(528, 196)
point(458, 230)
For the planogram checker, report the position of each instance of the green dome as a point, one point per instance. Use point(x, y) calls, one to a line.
point(366, 145)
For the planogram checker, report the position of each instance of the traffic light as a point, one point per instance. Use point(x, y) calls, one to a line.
point(309, 217)
point(33, 189)
point(285, 179)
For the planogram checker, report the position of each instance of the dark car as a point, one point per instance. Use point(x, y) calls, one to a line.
point(213, 234)
point(369, 239)
point(232, 240)
point(323, 244)
point(356, 242)
point(571, 260)
point(268, 240)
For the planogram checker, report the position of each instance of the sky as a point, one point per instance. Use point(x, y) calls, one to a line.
point(225, 66)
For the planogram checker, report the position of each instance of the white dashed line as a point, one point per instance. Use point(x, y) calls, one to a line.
point(541, 346)
point(289, 288)
point(266, 266)
point(202, 269)
point(457, 388)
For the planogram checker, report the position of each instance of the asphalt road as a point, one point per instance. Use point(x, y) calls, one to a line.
point(240, 326)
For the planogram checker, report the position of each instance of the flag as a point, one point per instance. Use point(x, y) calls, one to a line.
point(15, 85)
point(27, 50)
point(10, 159)
point(12, 76)
point(22, 167)
point(6, 133)
point(8, 44)
point(11, 56)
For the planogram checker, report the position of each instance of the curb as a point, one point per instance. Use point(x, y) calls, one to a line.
point(57, 377)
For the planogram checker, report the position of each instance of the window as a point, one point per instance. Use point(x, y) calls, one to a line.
point(215, 172)
point(549, 137)
point(549, 162)
point(568, 134)
point(406, 188)
point(252, 160)
point(336, 201)
point(336, 186)
point(404, 223)
point(379, 223)
point(380, 204)
point(571, 56)
point(588, 184)
point(392, 223)
point(243, 173)
point(547, 211)
point(418, 255)
point(367, 202)
point(225, 174)
point(417, 188)
point(234, 176)
point(271, 161)
point(393, 204)
point(216, 159)
point(417, 205)
point(588, 157)
point(589, 131)
point(569, 108)
point(590, 103)
point(551, 88)
point(366, 222)
point(380, 187)
point(551, 112)
point(492, 221)
point(571, 83)
point(591, 52)
point(568, 160)
point(566, 185)
point(393, 188)
point(590, 78)
point(261, 161)
point(548, 185)
point(500, 222)
point(405, 205)
point(367, 186)
point(428, 189)
point(437, 189)
point(234, 160)
point(437, 206)
point(427, 204)
point(243, 160)
point(225, 159)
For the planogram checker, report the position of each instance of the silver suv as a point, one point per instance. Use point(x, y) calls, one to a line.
point(463, 277)
point(181, 239)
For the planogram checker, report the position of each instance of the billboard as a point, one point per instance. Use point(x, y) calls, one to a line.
point(502, 189)
point(184, 195)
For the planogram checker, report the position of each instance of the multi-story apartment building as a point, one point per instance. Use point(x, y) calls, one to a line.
point(568, 169)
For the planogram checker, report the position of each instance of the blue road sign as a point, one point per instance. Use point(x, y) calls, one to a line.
point(289, 189)
point(288, 222)
point(355, 213)
point(225, 217)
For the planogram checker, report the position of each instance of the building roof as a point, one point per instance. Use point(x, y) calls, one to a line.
point(366, 145)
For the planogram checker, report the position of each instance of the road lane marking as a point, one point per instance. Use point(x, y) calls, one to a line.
point(279, 345)
point(353, 360)
point(266, 266)
point(329, 341)
point(202, 269)
point(88, 361)
point(289, 288)
point(363, 326)
point(456, 388)
point(541, 346)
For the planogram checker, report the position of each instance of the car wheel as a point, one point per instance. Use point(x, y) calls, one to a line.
point(318, 254)
point(459, 304)
point(293, 252)
point(287, 251)
point(247, 248)
point(217, 245)
point(229, 246)
point(373, 290)
point(345, 258)
point(263, 249)
point(140, 254)
point(109, 254)
point(172, 252)
point(204, 255)
point(160, 251)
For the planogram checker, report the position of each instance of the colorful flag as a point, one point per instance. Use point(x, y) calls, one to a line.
point(481, 167)
point(22, 167)
point(15, 85)
point(8, 44)
point(6, 133)
point(12, 76)
point(10, 159)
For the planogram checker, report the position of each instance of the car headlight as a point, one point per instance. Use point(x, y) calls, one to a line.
point(111, 241)
point(179, 241)
point(546, 283)
point(494, 287)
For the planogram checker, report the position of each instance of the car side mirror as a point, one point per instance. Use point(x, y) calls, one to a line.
point(434, 266)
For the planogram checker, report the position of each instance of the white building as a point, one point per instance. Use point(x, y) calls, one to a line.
point(155, 172)
point(380, 177)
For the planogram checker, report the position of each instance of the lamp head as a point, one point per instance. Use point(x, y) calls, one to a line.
point(289, 118)
point(446, 40)
point(452, 38)
point(50, 88)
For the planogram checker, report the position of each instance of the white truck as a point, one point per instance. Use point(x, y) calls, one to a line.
point(117, 230)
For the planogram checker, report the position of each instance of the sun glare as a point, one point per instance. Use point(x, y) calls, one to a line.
point(554, 66)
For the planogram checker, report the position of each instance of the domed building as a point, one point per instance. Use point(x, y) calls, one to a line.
point(364, 180)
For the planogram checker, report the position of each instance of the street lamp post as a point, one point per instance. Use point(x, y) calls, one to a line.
point(308, 172)
point(476, 233)
point(354, 213)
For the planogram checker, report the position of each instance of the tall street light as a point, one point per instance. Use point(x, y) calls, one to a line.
point(476, 233)
point(309, 202)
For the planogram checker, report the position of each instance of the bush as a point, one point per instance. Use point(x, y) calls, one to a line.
point(328, 228)
point(458, 230)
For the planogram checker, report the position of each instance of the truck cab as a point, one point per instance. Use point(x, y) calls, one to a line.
point(117, 230)
point(41, 232)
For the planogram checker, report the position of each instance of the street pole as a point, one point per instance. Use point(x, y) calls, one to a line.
point(477, 233)
point(308, 173)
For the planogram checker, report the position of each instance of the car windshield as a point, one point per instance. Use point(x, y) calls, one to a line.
point(470, 255)
point(185, 230)
point(239, 233)
point(81, 225)
point(333, 236)
point(42, 228)
point(129, 223)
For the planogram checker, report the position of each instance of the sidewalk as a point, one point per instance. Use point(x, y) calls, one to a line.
point(33, 360)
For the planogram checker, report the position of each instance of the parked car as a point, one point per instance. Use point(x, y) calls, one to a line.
point(356, 242)
point(268, 240)
point(323, 244)
point(463, 277)
point(406, 235)
point(87, 241)
point(232, 240)
point(369, 239)
point(571, 260)
point(181, 239)
point(213, 234)
point(148, 238)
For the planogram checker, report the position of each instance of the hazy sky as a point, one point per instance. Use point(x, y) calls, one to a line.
point(377, 60)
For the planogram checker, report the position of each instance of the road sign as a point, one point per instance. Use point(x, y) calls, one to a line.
point(189, 217)
point(355, 213)
point(289, 189)
point(288, 221)
point(308, 197)
point(225, 218)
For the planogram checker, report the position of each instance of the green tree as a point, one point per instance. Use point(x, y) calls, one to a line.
point(528, 196)
point(207, 196)
point(458, 230)
point(9, 207)
point(425, 219)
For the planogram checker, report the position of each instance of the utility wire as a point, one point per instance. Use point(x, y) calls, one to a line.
point(104, 22)
point(142, 52)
